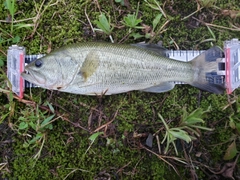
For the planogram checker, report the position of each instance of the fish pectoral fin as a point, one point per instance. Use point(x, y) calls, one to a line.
point(158, 49)
point(90, 65)
point(163, 87)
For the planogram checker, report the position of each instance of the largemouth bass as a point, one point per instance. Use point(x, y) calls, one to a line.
point(95, 68)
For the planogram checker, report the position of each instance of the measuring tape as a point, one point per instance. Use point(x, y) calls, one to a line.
point(17, 59)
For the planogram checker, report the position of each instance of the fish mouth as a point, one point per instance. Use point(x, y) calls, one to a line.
point(28, 76)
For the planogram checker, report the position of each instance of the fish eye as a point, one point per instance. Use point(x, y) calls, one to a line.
point(38, 63)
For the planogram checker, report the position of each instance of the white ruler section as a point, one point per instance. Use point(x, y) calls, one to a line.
point(183, 55)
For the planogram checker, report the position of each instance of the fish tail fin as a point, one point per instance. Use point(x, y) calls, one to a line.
point(207, 63)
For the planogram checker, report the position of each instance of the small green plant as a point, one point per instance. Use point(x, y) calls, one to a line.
point(120, 1)
point(156, 6)
point(114, 144)
point(234, 120)
point(92, 139)
point(149, 33)
point(173, 134)
point(154, 25)
point(104, 25)
point(132, 21)
point(211, 40)
point(7, 37)
point(37, 121)
point(188, 125)
point(10, 6)
point(207, 3)
point(10, 106)
point(190, 121)
point(234, 123)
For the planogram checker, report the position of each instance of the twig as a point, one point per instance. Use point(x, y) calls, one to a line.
point(158, 143)
point(224, 168)
point(189, 160)
point(2, 165)
point(198, 9)
point(39, 152)
point(124, 38)
point(85, 11)
point(216, 26)
point(120, 169)
point(36, 20)
point(105, 125)
point(98, 6)
point(159, 31)
point(138, 163)
point(176, 46)
point(160, 157)
point(3, 52)
point(77, 169)
point(18, 21)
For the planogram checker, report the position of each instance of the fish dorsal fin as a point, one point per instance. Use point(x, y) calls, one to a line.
point(90, 65)
point(158, 49)
point(163, 87)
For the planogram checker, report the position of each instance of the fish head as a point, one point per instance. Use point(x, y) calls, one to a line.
point(52, 71)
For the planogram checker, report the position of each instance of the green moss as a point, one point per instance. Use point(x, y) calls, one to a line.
point(60, 157)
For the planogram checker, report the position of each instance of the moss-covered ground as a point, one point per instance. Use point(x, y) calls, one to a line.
point(63, 150)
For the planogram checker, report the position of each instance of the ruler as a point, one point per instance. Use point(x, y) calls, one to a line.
point(229, 73)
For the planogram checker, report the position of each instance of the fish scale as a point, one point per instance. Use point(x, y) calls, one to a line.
point(134, 64)
point(137, 67)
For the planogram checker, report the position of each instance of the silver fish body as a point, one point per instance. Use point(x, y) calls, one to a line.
point(96, 68)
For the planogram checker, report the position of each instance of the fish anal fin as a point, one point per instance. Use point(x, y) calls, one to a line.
point(90, 65)
point(163, 87)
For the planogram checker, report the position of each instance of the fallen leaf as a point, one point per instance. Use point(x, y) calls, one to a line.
point(231, 151)
point(232, 13)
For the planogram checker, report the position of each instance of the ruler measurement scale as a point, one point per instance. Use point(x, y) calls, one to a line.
point(183, 55)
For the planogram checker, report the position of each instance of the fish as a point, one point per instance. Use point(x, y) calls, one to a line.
point(96, 68)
